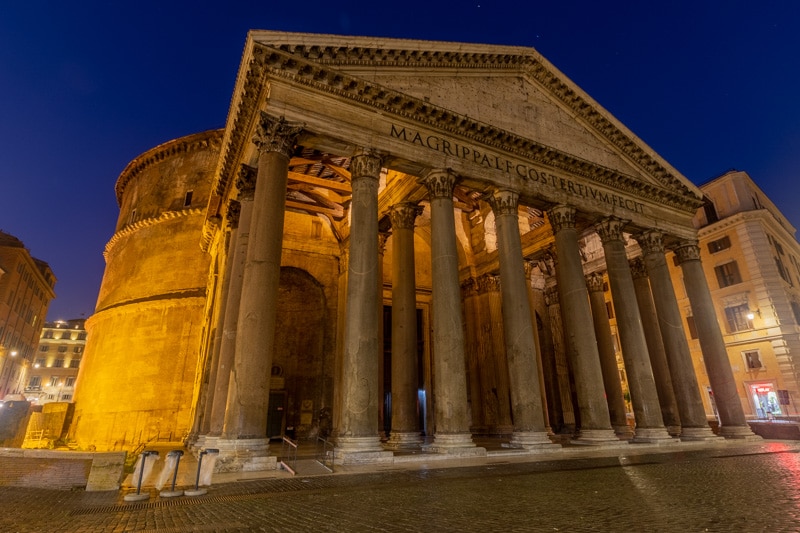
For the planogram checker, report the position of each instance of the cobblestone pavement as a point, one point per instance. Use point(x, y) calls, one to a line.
point(731, 489)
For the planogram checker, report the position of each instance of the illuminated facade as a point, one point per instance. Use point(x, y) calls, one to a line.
point(750, 256)
point(26, 288)
point(394, 239)
point(54, 372)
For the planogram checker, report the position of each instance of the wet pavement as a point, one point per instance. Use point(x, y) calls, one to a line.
point(724, 488)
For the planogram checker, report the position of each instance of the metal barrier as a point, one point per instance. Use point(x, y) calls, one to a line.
point(326, 453)
point(289, 460)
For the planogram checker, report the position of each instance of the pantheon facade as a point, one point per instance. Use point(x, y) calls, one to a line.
point(400, 244)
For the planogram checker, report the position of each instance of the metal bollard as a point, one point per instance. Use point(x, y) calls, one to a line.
point(137, 496)
point(197, 491)
point(172, 492)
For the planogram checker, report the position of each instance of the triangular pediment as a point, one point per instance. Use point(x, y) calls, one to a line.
point(507, 97)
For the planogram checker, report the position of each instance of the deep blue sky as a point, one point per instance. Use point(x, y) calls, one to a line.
point(87, 86)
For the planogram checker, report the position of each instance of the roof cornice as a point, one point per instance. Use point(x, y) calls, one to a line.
point(189, 143)
point(284, 63)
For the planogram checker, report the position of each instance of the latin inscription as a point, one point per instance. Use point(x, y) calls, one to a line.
point(516, 168)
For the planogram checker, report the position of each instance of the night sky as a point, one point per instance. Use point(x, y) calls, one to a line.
point(709, 85)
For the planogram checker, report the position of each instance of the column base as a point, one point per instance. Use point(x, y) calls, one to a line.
point(360, 450)
point(597, 437)
point(623, 432)
point(242, 455)
point(698, 434)
point(675, 431)
point(458, 444)
point(533, 441)
point(653, 436)
point(738, 433)
point(404, 440)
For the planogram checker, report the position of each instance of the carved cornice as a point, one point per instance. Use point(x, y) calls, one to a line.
point(638, 269)
point(246, 182)
point(318, 70)
point(402, 216)
point(687, 251)
point(650, 241)
point(440, 183)
point(276, 135)
point(504, 202)
point(610, 229)
point(469, 287)
point(594, 282)
point(199, 141)
point(561, 217)
point(149, 222)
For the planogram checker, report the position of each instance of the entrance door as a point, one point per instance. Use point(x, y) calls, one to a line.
point(276, 417)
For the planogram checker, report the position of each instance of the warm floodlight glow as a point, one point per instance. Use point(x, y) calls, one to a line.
point(750, 316)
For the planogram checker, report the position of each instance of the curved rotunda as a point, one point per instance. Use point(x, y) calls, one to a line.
point(396, 245)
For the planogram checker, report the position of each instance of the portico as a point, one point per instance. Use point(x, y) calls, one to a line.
point(474, 177)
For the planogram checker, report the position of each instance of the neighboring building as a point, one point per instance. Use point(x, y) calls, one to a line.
point(55, 367)
point(752, 262)
point(26, 288)
point(378, 242)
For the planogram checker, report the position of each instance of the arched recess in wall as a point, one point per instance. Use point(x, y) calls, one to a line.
point(298, 371)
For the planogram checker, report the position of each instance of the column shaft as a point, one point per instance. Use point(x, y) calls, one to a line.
point(642, 386)
point(520, 345)
point(358, 430)
point(608, 358)
point(732, 420)
point(694, 425)
point(450, 392)
point(255, 336)
point(405, 381)
point(655, 346)
point(595, 424)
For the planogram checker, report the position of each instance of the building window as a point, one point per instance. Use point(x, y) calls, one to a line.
point(44, 348)
point(67, 335)
point(737, 318)
point(62, 349)
point(82, 336)
point(75, 363)
point(59, 363)
point(35, 382)
point(66, 397)
point(692, 327)
point(132, 218)
point(187, 200)
point(77, 349)
point(54, 381)
point(751, 360)
point(48, 334)
point(728, 274)
point(40, 362)
point(70, 382)
point(720, 244)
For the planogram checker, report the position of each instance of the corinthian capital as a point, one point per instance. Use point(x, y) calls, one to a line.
point(440, 183)
point(650, 241)
point(610, 229)
point(402, 215)
point(561, 217)
point(594, 282)
point(366, 164)
point(246, 182)
point(232, 214)
point(504, 202)
point(687, 251)
point(276, 135)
